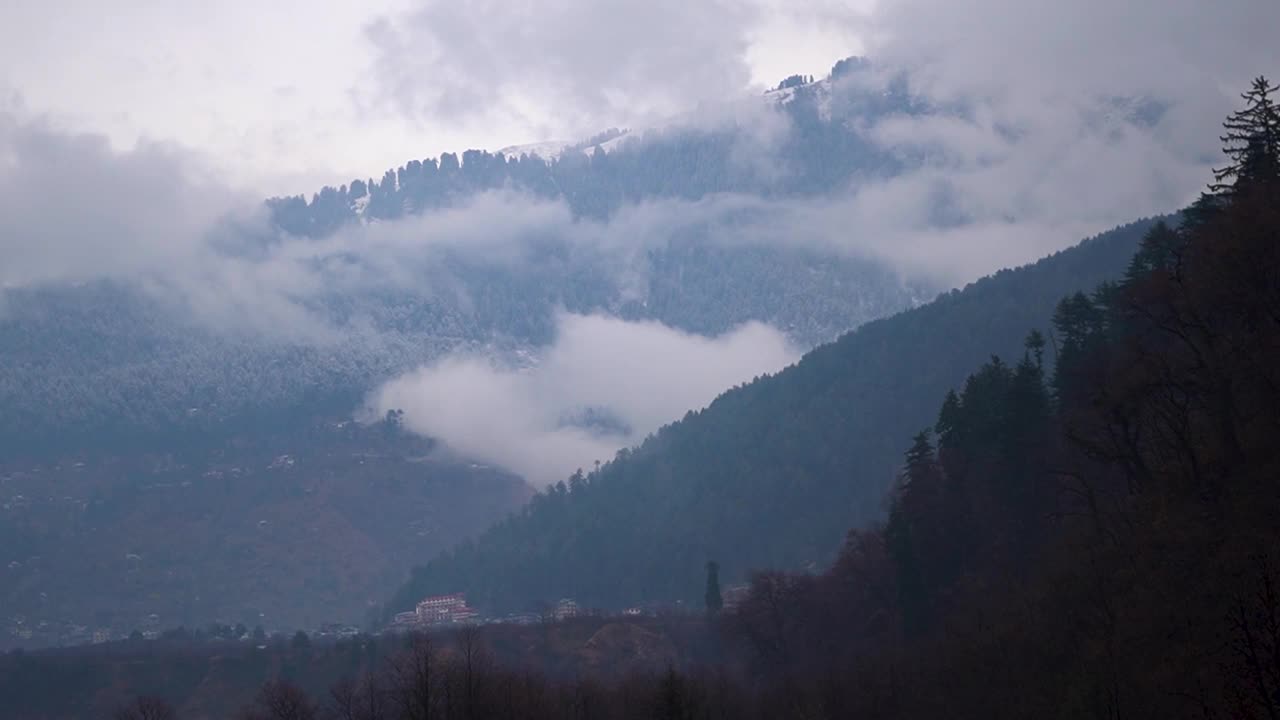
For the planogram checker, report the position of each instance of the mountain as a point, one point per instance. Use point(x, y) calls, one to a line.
point(801, 139)
point(109, 363)
point(677, 224)
point(122, 398)
point(773, 473)
point(1080, 532)
point(165, 456)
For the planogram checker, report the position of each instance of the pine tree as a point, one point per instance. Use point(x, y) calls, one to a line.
point(913, 527)
point(1078, 323)
point(713, 598)
point(920, 458)
point(1161, 250)
point(947, 418)
point(1252, 142)
point(1035, 347)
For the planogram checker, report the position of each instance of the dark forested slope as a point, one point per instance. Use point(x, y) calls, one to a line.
point(771, 474)
point(1098, 541)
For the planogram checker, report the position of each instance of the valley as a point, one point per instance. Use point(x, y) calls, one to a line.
point(309, 526)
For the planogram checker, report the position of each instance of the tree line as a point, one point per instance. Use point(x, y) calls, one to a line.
point(681, 162)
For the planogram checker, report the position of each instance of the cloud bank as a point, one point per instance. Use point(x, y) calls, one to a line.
point(72, 209)
point(976, 196)
point(639, 375)
point(1016, 52)
point(1056, 120)
point(459, 61)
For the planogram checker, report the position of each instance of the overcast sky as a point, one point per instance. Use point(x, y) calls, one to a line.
point(290, 94)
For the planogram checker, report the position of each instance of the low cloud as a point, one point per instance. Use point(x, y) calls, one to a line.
point(555, 63)
point(982, 198)
point(638, 375)
point(1069, 113)
point(72, 209)
point(1018, 53)
point(980, 190)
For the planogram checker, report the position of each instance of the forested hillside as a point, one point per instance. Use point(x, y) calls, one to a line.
point(286, 528)
point(128, 400)
point(1094, 540)
point(111, 364)
point(134, 406)
point(107, 367)
point(670, 224)
point(771, 474)
point(813, 149)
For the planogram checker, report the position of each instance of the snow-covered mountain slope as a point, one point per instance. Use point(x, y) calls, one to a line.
point(546, 149)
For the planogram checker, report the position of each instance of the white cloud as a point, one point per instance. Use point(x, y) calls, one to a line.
point(73, 209)
point(1059, 120)
point(1023, 51)
point(556, 68)
point(267, 90)
point(549, 63)
point(1038, 77)
point(643, 374)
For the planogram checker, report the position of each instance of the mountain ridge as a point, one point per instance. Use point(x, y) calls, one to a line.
point(709, 486)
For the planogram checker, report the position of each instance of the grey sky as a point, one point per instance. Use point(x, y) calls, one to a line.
point(287, 95)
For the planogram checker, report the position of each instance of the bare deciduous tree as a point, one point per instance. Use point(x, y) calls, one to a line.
point(146, 708)
point(280, 700)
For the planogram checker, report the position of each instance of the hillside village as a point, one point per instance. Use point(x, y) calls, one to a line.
point(445, 611)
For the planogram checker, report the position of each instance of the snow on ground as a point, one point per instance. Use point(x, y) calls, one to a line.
point(547, 150)
point(616, 143)
point(820, 91)
point(553, 149)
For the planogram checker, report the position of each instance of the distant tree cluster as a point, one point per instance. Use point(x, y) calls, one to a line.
point(683, 163)
point(794, 81)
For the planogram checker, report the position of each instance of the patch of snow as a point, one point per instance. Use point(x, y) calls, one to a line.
point(554, 149)
point(547, 150)
point(360, 204)
point(616, 143)
point(780, 96)
point(819, 90)
point(283, 461)
point(822, 90)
